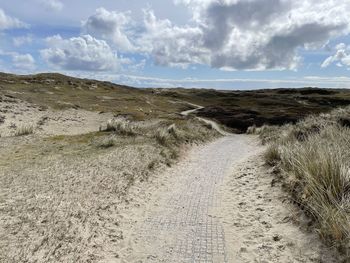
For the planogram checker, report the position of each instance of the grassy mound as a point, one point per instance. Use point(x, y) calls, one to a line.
point(314, 158)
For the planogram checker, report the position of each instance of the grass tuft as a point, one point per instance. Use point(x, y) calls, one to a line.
point(272, 155)
point(121, 126)
point(107, 142)
point(252, 130)
point(162, 136)
point(24, 130)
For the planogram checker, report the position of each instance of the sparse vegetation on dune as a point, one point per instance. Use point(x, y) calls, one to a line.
point(107, 142)
point(121, 126)
point(235, 109)
point(193, 132)
point(63, 204)
point(61, 195)
point(24, 130)
point(57, 91)
point(314, 159)
point(166, 132)
point(239, 110)
point(272, 155)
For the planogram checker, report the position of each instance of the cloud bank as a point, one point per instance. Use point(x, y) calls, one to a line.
point(264, 34)
point(79, 53)
point(8, 22)
point(223, 34)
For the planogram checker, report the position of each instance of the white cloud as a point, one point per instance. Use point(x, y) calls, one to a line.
point(134, 67)
point(8, 22)
point(52, 5)
point(111, 26)
point(23, 61)
point(19, 61)
point(341, 56)
point(328, 61)
point(171, 45)
point(231, 83)
point(227, 34)
point(19, 41)
point(224, 34)
point(246, 34)
point(80, 53)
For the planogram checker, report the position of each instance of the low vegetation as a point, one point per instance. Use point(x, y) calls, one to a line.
point(108, 142)
point(24, 130)
point(57, 91)
point(121, 126)
point(235, 109)
point(314, 159)
point(239, 110)
point(272, 155)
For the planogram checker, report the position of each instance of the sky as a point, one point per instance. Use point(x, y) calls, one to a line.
point(220, 44)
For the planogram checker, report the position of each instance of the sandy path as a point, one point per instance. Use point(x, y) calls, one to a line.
point(212, 123)
point(214, 206)
point(188, 112)
point(182, 224)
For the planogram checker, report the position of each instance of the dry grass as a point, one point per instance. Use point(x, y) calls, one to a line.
point(314, 157)
point(266, 133)
point(108, 142)
point(169, 135)
point(63, 204)
point(192, 133)
point(121, 126)
point(162, 136)
point(63, 92)
point(252, 130)
point(24, 130)
point(272, 155)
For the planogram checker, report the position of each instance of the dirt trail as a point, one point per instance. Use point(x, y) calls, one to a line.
point(212, 123)
point(198, 210)
point(181, 225)
point(188, 112)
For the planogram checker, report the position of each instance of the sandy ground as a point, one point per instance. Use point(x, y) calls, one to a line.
point(62, 208)
point(217, 205)
point(261, 224)
point(15, 113)
point(69, 208)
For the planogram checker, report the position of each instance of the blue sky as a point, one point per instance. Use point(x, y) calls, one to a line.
point(223, 44)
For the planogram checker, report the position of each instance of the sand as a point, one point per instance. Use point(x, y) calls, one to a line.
point(15, 113)
point(217, 205)
point(262, 224)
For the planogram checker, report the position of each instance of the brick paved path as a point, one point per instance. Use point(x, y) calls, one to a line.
point(214, 206)
point(184, 227)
